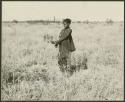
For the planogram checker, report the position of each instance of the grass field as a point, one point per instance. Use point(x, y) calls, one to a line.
point(30, 70)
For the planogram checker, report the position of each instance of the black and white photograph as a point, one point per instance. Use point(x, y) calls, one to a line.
point(62, 51)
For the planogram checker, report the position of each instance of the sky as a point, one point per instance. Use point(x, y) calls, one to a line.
point(77, 10)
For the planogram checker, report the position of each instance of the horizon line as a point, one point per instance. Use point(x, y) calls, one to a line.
point(60, 20)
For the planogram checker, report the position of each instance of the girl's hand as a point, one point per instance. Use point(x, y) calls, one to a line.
point(53, 42)
point(56, 45)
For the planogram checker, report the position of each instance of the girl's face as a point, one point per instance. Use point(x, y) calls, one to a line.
point(65, 24)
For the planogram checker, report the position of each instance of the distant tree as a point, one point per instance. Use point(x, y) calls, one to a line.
point(15, 21)
point(78, 21)
point(109, 21)
point(86, 21)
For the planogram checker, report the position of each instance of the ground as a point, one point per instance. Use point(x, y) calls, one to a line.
point(30, 70)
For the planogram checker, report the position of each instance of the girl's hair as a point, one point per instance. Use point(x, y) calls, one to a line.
point(67, 20)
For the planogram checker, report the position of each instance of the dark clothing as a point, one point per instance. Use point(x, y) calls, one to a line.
point(65, 42)
point(66, 46)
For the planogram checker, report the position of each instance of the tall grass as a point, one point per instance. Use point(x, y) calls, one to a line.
point(30, 70)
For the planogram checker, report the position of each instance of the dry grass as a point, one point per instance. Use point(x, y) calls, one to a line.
point(30, 70)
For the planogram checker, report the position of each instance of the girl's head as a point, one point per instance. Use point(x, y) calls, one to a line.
point(66, 22)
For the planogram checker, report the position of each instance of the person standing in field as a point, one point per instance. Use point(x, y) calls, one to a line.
point(66, 46)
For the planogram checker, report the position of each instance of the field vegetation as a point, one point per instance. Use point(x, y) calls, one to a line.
point(30, 70)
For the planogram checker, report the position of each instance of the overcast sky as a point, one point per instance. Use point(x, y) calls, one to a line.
point(81, 10)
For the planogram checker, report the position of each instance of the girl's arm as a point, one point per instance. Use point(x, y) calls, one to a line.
point(65, 35)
